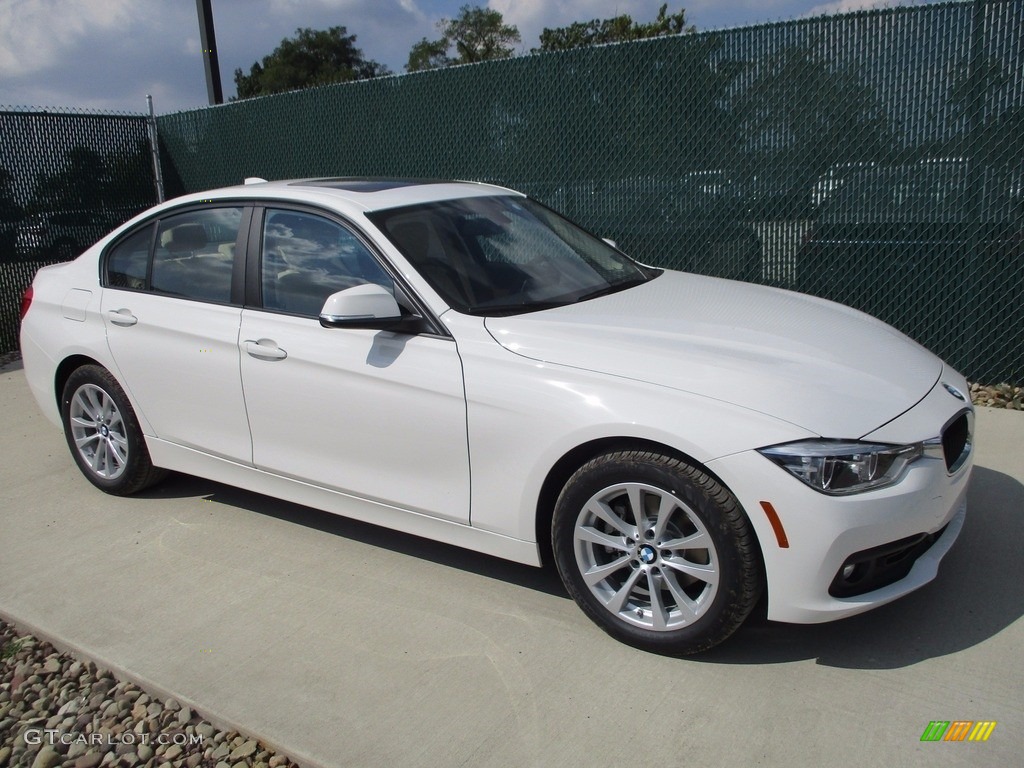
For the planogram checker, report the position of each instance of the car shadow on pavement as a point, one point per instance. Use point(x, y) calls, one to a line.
point(976, 596)
point(544, 580)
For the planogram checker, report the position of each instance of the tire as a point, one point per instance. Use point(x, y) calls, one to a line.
point(639, 583)
point(103, 433)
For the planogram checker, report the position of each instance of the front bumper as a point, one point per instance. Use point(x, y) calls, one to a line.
point(902, 531)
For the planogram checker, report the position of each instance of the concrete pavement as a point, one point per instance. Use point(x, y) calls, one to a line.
point(342, 644)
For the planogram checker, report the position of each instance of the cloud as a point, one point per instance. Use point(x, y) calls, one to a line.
point(34, 34)
point(846, 6)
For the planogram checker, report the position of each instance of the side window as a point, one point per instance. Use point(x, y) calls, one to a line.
point(306, 258)
point(195, 254)
point(128, 261)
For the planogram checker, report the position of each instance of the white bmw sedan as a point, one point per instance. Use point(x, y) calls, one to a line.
point(459, 362)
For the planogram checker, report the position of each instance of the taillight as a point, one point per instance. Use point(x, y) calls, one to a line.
point(26, 302)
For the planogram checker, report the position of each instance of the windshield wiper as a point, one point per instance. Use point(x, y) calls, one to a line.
point(613, 288)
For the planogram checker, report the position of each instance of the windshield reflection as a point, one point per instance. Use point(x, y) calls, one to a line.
point(506, 255)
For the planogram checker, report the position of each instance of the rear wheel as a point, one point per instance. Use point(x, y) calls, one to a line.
point(103, 433)
point(656, 552)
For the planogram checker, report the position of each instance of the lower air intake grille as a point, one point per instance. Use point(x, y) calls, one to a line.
point(956, 441)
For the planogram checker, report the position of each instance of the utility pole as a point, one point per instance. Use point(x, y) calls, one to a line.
point(209, 43)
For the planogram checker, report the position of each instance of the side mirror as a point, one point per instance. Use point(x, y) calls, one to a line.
point(362, 306)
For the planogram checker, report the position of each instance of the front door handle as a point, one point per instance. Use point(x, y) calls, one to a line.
point(265, 349)
point(122, 317)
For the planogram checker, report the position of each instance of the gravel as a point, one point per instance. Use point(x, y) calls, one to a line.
point(998, 396)
point(56, 710)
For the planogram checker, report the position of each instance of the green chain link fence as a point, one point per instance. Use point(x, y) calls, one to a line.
point(874, 158)
point(66, 178)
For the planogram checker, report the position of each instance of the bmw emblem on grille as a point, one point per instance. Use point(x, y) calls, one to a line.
point(954, 392)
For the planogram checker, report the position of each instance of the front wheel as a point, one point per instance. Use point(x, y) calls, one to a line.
point(656, 552)
point(103, 433)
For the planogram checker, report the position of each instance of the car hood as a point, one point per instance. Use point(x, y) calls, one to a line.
point(829, 369)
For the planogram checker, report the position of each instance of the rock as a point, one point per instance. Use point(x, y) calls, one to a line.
point(184, 715)
point(223, 750)
point(70, 707)
point(245, 750)
point(89, 761)
point(47, 757)
point(144, 752)
point(172, 704)
point(205, 730)
point(52, 665)
point(5, 755)
point(77, 749)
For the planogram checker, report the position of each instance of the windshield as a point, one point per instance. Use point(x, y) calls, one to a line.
point(506, 255)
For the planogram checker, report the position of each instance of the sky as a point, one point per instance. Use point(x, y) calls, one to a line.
point(108, 55)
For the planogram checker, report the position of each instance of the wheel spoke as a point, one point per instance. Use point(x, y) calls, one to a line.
point(118, 454)
point(83, 441)
point(684, 603)
point(701, 572)
point(665, 509)
point(83, 422)
point(594, 536)
point(601, 510)
point(106, 406)
point(698, 540)
point(92, 403)
point(97, 456)
point(620, 598)
point(599, 573)
point(116, 423)
point(636, 503)
point(659, 615)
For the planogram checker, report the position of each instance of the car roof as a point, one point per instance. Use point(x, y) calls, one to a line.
point(367, 194)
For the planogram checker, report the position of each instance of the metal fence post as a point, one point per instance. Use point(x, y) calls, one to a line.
point(154, 151)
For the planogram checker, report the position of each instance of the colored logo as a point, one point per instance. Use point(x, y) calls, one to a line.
point(958, 730)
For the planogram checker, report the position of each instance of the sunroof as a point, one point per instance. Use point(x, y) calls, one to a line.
point(360, 185)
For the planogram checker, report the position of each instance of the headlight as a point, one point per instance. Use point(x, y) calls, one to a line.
point(840, 467)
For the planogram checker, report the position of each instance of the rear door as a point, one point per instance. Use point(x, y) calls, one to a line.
point(172, 308)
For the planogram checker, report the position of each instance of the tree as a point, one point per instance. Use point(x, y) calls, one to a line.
point(476, 34)
point(619, 29)
point(801, 114)
point(311, 58)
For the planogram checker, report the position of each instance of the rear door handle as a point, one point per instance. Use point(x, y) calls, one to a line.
point(265, 349)
point(122, 317)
